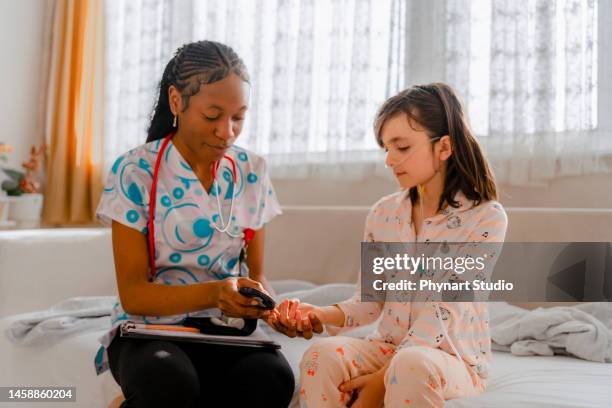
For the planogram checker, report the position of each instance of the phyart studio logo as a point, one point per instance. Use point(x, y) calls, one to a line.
point(487, 271)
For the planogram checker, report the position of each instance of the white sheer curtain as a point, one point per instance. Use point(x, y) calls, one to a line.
point(319, 70)
point(527, 71)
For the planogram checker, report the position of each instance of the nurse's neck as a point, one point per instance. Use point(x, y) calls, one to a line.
point(200, 163)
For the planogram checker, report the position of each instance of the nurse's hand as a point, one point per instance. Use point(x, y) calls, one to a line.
point(293, 318)
point(234, 304)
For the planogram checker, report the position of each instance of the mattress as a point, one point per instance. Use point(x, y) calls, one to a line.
point(515, 381)
point(537, 381)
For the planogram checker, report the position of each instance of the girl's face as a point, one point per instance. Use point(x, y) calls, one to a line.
point(409, 151)
point(214, 117)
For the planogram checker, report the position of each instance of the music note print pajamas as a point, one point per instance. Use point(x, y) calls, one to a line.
point(423, 368)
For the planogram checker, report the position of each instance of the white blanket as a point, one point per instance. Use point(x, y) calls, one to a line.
point(583, 331)
point(71, 316)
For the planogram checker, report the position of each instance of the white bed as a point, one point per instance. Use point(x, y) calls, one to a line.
point(515, 381)
point(537, 381)
point(78, 262)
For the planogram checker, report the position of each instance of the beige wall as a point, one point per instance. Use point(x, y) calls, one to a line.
point(593, 191)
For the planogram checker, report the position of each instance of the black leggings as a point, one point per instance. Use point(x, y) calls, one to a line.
point(156, 373)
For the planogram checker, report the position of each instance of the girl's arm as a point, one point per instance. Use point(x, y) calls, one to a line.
point(350, 313)
point(331, 315)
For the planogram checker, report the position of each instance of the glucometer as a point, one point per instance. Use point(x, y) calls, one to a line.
point(229, 326)
point(264, 300)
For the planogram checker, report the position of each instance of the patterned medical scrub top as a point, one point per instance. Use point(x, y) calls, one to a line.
point(187, 247)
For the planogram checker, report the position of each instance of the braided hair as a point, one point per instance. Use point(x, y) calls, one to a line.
point(193, 65)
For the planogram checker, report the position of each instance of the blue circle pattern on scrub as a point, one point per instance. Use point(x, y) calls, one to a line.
point(134, 191)
point(202, 228)
point(203, 260)
point(178, 193)
point(166, 202)
point(132, 216)
point(252, 178)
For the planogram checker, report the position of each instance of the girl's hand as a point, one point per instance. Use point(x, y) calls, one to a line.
point(273, 319)
point(293, 318)
point(370, 389)
point(304, 318)
point(234, 304)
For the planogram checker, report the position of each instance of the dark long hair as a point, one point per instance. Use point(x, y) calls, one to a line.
point(194, 64)
point(438, 109)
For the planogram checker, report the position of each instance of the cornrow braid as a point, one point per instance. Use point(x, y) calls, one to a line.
point(193, 65)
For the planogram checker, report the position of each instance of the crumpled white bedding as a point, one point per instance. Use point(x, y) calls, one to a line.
point(583, 331)
point(68, 317)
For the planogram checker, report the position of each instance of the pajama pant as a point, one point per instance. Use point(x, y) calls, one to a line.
point(416, 376)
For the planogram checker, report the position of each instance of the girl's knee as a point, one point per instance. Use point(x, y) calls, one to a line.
point(412, 359)
point(415, 366)
point(323, 354)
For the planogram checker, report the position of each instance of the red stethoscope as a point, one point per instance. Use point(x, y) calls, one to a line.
point(246, 235)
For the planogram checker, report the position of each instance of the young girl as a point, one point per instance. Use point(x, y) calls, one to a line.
point(421, 353)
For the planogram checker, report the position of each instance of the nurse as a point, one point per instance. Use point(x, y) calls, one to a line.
point(206, 194)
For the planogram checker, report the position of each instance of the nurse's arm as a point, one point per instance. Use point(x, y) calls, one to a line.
point(255, 260)
point(139, 296)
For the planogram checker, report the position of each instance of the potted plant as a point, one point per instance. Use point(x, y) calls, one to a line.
point(24, 186)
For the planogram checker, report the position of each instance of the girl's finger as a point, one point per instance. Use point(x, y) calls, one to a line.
point(295, 303)
point(299, 326)
point(353, 384)
point(317, 325)
point(280, 327)
point(282, 311)
point(290, 332)
point(306, 329)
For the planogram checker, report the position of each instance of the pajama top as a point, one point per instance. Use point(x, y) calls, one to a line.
point(406, 324)
point(188, 249)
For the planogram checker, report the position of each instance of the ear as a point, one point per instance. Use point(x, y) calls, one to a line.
point(175, 100)
point(446, 147)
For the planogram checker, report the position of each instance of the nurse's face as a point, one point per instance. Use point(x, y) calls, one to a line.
point(409, 151)
point(214, 116)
